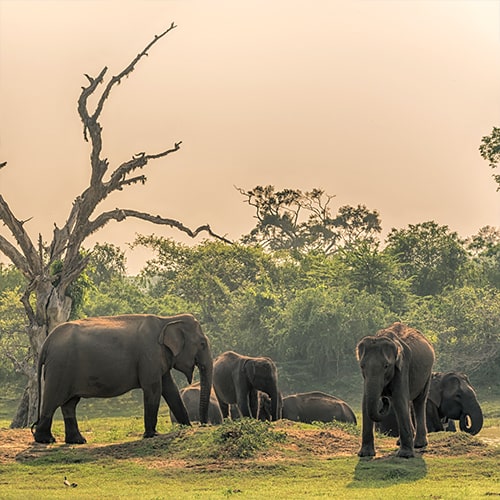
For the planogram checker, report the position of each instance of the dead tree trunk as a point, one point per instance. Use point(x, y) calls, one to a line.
point(47, 287)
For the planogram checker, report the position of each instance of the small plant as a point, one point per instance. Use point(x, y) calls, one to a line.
point(243, 438)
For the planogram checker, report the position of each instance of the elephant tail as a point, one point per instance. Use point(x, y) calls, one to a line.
point(41, 362)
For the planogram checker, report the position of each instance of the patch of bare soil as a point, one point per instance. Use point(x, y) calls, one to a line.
point(300, 444)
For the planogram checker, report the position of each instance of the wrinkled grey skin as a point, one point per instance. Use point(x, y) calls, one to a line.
point(396, 365)
point(317, 406)
point(451, 397)
point(237, 380)
point(191, 397)
point(108, 356)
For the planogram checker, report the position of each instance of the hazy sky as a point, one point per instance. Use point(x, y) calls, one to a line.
point(381, 103)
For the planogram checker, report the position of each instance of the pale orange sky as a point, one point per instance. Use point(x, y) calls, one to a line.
point(382, 103)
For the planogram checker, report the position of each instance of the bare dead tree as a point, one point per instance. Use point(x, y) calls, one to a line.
point(45, 298)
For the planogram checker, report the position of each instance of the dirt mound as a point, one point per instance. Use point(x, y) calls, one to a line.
point(300, 443)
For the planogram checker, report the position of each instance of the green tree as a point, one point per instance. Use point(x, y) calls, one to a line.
point(431, 256)
point(294, 220)
point(484, 248)
point(321, 327)
point(490, 151)
point(463, 324)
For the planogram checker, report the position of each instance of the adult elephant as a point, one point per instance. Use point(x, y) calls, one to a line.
point(396, 364)
point(237, 380)
point(451, 397)
point(191, 398)
point(108, 356)
point(316, 406)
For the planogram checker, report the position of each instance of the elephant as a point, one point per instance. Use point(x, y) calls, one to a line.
point(317, 406)
point(108, 356)
point(396, 364)
point(451, 397)
point(237, 380)
point(264, 408)
point(191, 397)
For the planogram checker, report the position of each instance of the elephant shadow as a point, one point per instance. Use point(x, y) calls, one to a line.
point(159, 446)
point(387, 471)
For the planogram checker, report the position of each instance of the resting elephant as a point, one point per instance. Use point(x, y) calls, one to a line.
point(237, 380)
point(191, 397)
point(108, 356)
point(396, 365)
point(451, 397)
point(316, 406)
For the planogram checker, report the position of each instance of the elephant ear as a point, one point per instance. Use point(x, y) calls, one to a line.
point(435, 392)
point(399, 355)
point(249, 367)
point(360, 348)
point(172, 337)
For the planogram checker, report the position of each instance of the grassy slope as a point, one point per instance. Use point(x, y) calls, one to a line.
point(297, 461)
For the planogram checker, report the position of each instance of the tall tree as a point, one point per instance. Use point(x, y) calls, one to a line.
point(490, 151)
point(294, 220)
point(430, 255)
point(50, 269)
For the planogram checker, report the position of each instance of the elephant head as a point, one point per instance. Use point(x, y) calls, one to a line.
point(455, 399)
point(262, 375)
point(379, 358)
point(189, 346)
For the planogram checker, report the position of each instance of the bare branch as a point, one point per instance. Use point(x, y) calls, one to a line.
point(15, 256)
point(117, 180)
point(119, 215)
point(126, 71)
point(16, 228)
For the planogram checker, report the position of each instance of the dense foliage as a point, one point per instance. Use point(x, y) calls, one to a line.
point(306, 308)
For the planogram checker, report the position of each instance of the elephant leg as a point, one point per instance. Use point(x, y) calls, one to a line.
point(420, 420)
point(402, 411)
point(43, 427)
point(72, 433)
point(43, 432)
point(224, 408)
point(151, 397)
point(254, 403)
point(367, 438)
point(170, 393)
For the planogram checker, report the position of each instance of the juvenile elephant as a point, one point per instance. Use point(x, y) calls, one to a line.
point(191, 397)
point(237, 380)
point(316, 406)
point(264, 408)
point(108, 356)
point(451, 397)
point(396, 365)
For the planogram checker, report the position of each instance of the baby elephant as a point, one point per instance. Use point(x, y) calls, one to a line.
point(191, 397)
point(317, 406)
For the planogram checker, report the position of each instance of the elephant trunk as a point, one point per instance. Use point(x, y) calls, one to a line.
point(206, 370)
point(471, 419)
point(378, 406)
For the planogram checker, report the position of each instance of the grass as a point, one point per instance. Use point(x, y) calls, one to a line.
point(282, 460)
point(241, 460)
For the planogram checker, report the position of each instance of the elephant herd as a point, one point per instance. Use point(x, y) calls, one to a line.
point(108, 356)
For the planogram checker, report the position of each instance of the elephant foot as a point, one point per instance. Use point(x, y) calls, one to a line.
point(405, 453)
point(421, 444)
point(78, 439)
point(44, 437)
point(366, 451)
point(149, 434)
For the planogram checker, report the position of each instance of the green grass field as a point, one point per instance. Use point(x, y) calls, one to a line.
point(241, 460)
